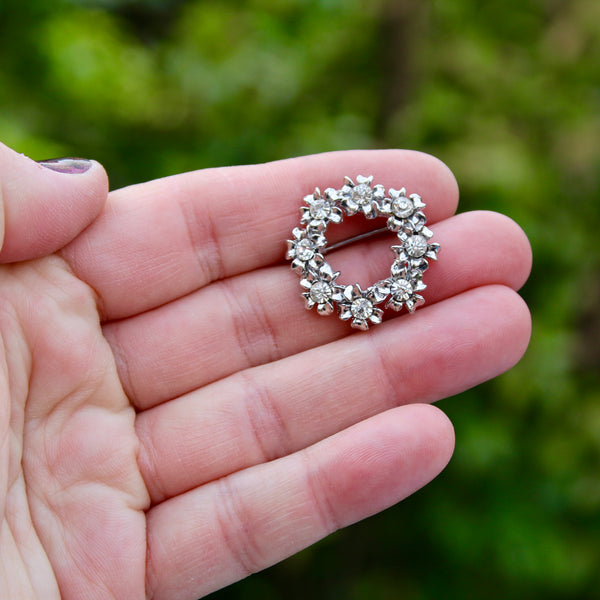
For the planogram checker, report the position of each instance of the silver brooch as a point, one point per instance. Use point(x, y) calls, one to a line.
point(404, 285)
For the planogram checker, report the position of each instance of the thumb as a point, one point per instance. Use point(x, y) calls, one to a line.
point(43, 206)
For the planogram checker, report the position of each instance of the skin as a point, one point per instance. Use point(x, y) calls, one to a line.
point(172, 419)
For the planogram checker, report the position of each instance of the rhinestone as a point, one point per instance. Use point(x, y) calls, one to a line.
point(362, 194)
point(401, 290)
point(402, 207)
point(319, 209)
point(416, 246)
point(361, 309)
point(305, 250)
point(320, 292)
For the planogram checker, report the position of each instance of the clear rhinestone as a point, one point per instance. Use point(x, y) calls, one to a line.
point(319, 209)
point(361, 309)
point(402, 207)
point(401, 290)
point(320, 292)
point(305, 250)
point(362, 194)
point(416, 246)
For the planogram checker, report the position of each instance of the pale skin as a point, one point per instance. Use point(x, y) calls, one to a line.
point(172, 419)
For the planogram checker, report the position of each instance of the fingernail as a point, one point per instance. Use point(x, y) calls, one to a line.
point(70, 166)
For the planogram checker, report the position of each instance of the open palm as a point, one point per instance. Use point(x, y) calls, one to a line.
point(173, 419)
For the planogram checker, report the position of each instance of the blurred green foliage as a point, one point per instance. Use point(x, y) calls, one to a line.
point(507, 92)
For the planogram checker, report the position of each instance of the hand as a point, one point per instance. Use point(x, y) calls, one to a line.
point(173, 419)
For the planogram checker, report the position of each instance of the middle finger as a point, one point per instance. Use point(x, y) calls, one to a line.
point(258, 317)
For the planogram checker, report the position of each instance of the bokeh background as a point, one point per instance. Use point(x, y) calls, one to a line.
point(507, 93)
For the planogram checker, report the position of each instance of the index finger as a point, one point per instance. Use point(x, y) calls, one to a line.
point(161, 240)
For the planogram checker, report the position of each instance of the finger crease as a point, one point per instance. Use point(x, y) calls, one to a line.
point(388, 372)
point(235, 526)
point(319, 496)
point(204, 243)
point(252, 325)
point(267, 424)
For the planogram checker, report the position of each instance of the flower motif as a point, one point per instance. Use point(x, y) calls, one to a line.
point(321, 210)
point(404, 211)
point(305, 250)
point(403, 288)
point(361, 197)
point(320, 289)
point(359, 306)
point(416, 249)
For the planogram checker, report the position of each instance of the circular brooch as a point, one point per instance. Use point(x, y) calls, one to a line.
point(404, 285)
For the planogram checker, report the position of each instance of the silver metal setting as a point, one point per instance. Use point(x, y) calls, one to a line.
point(404, 285)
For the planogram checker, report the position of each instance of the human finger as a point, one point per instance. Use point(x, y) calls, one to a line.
point(223, 531)
point(259, 317)
point(161, 240)
point(43, 206)
point(273, 410)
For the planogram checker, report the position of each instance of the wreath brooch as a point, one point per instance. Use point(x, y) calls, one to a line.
point(404, 285)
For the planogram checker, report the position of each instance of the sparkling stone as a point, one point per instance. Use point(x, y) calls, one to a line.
point(401, 290)
point(362, 194)
point(319, 209)
point(305, 250)
point(402, 207)
point(320, 292)
point(416, 246)
point(361, 309)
